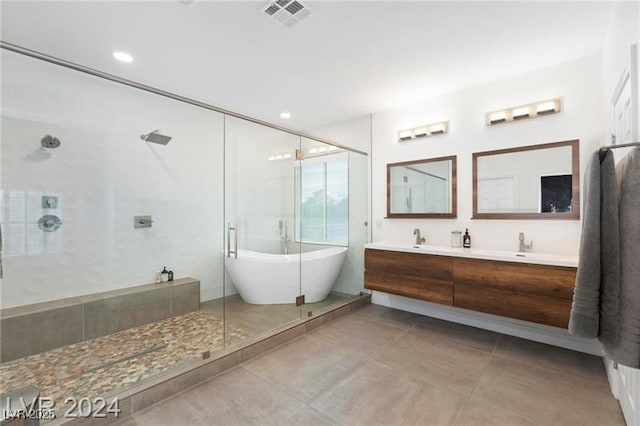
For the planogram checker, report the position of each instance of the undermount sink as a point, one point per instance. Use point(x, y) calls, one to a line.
point(474, 253)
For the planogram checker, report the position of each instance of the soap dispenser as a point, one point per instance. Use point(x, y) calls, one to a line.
point(165, 275)
point(466, 239)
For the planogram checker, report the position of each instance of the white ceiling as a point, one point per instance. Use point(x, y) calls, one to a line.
point(345, 60)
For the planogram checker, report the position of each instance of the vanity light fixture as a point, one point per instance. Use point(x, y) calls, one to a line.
point(522, 112)
point(438, 128)
point(497, 117)
point(322, 150)
point(283, 156)
point(422, 131)
point(285, 114)
point(548, 107)
point(404, 135)
point(531, 110)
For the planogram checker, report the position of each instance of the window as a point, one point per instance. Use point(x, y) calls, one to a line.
point(322, 200)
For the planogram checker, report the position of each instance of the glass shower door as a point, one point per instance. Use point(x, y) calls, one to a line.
point(262, 273)
point(331, 211)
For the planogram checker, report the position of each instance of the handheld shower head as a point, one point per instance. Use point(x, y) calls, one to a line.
point(155, 137)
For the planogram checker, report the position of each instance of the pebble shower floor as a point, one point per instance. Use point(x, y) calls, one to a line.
point(98, 366)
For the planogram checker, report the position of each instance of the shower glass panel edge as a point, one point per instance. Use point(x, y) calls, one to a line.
point(331, 217)
point(262, 275)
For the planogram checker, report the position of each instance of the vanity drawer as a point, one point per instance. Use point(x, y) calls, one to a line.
point(424, 288)
point(409, 264)
point(528, 307)
point(556, 281)
point(420, 276)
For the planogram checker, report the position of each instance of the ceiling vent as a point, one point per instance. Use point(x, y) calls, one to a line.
point(287, 12)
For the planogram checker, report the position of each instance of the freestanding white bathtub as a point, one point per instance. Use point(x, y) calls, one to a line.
point(263, 278)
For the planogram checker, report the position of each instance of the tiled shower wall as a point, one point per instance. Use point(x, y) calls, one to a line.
point(103, 175)
point(40, 327)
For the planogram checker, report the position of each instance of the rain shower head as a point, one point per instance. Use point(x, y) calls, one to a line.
point(156, 137)
point(49, 141)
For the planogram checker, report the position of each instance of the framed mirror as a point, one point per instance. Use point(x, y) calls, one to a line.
point(422, 188)
point(528, 182)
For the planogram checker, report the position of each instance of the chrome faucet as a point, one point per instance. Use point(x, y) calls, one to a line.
point(284, 236)
point(524, 247)
point(419, 240)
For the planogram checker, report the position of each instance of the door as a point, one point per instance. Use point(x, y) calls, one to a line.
point(625, 381)
point(625, 103)
point(331, 224)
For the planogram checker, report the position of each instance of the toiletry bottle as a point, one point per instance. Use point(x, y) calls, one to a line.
point(170, 275)
point(158, 276)
point(165, 275)
point(456, 239)
point(466, 240)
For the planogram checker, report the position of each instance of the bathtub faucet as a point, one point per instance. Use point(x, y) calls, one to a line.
point(284, 236)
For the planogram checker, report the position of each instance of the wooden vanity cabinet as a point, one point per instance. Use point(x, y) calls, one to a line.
point(421, 276)
point(536, 293)
point(529, 292)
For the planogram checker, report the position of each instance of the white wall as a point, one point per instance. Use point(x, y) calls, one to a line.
point(354, 133)
point(103, 175)
point(578, 83)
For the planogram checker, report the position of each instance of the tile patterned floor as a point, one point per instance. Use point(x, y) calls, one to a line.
point(97, 366)
point(258, 319)
point(382, 366)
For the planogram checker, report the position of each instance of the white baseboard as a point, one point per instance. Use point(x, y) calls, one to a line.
point(612, 376)
point(526, 330)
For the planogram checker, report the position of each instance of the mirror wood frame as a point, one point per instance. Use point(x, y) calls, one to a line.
point(454, 190)
point(574, 214)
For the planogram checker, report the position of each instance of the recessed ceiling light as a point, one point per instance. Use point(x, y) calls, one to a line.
point(123, 57)
point(285, 114)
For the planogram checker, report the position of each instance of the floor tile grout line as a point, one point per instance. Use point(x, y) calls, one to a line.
point(473, 389)
point(273, 385)
point(270, 350)
point(282, 386)
point(357, 368)
point(177, 394)
point(455, 342)
point(382, 321)
point(494, 352)
point(604, 384)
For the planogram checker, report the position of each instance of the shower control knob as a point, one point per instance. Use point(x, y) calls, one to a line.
point(49, 223)
point(142, 221)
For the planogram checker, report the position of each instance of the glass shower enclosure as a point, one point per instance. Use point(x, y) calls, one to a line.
point(103, 185)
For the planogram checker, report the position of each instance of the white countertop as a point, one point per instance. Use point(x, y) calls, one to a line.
point(474, 253)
